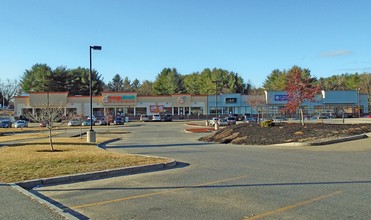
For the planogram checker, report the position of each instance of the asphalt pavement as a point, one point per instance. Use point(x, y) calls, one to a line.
point(200, 173)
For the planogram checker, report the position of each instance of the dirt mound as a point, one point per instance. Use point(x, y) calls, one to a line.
point(253, 134)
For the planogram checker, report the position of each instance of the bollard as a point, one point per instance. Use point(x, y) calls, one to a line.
point(91, 136)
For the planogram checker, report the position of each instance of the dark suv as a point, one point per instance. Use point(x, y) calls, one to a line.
point(118, 121)
point(5, 124)
point(168, 118)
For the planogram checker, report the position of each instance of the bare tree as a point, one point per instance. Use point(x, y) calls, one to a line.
point(256, 101)
point(47, 116)
point(8, 90)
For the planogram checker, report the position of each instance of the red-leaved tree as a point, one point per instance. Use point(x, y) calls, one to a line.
point(301, 86)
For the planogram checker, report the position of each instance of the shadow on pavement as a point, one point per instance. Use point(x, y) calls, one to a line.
point(201, 186)
point(59, 205)
point(160, 145)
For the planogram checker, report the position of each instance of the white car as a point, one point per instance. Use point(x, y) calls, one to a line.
point(74, 123)
point(279, 119)
point(144, 118)
point(156, 117)
point(213, 121)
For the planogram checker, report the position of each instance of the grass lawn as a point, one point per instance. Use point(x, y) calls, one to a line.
point(19, 163)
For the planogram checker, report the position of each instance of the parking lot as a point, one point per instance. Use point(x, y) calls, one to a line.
point(216, 181)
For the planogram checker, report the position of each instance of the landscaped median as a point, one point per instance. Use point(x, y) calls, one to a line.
point(72, 160)
point(198, 128)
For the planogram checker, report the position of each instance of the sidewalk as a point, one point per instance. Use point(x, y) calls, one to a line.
point(16, 205)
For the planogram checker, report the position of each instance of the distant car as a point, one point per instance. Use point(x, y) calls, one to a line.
point(87, 123)
point(250, 119)
point(168, 117)
point(21, 124)
point(156, 117)
point(231, 120)
point(94, 118)
point(74, 122)
point(5, 124)
point(102, 121)
point(213, 121)
point(318, 117)
point(118, 121)
point(279, 119)
point(238, 117)
point(143, 118)
point(223, 122)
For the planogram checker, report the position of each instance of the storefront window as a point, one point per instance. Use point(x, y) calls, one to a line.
point(196, 110)
point(141, 111)
point(110, 111)
point(71, 112)
point(98, 112)
point(212, 111)
point(120, 111)
point(167, 110)
point(130, 111)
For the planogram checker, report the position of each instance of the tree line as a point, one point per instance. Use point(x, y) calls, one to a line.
point(42, 78)
point(278, 81)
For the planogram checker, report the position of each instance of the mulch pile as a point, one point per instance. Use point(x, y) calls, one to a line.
point(253, 134)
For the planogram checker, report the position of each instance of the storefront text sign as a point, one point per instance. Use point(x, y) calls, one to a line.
point(131, 99)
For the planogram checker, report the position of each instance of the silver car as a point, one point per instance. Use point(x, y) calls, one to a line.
point(21, 124)
point(156, 117)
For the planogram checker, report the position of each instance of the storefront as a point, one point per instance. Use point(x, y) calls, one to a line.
point(186, 105)
point(331, 103)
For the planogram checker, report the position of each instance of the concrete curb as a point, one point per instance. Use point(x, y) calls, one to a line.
point(325, 142)
point(24, 186)
point(350, 138)
point(95, 175)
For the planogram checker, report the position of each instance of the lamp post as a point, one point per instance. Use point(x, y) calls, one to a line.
point(359, 104)
point(216, 96)
point(216, 102)
point(91, 133)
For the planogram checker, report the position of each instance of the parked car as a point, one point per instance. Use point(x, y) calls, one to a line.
point(94, 118)
point(156, 117)
point(118, 121)
point(223, 122)
point(279, 119)
point(5, 124)
point(143, 118)
point(238, 117)
point(250, 119)
point(213, 121)
point(87, 123)
point(102, 121)
point(21, 124)
point(318, 117)
point(231, 120)
point(168, 117)
point(74, 122)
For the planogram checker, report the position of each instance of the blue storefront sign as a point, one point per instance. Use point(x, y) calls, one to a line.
point(281, 98)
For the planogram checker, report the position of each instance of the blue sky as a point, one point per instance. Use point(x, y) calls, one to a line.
point(141, 37)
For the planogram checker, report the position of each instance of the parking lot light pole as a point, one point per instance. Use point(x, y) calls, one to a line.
point(216, 102)
point(359, 104)
point(216, 96)
point(91, 133)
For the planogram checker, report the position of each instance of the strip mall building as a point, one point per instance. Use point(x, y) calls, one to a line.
point(132, 105)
